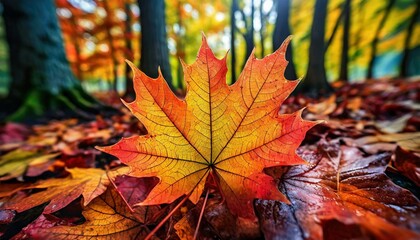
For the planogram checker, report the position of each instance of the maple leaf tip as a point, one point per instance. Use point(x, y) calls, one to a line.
point(100, 148)
point(203, 37)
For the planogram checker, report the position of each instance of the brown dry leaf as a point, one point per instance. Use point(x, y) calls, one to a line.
point(409, 141)
point(409, 164)
point(354, 104)
point(325, 107)
point(346, 187)
point(393, 126)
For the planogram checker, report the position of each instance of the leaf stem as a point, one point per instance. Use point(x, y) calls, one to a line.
point(150, 235)
point(201, 215)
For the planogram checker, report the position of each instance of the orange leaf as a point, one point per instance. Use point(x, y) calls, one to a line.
point(89, 182)
point(107, 217)
point(228, 132)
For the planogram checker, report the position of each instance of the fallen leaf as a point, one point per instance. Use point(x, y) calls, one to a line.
point(134, 189)
point(13, 132)
point(341, 185)
point(225, 133)
point(15, 163)
point(409, 164)
point(89, 182)
point(408, 141)
point(325, 107)
point(393, 126)
point(107, 217)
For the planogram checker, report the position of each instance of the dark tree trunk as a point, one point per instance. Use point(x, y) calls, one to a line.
point(281, 32)
point(233, 9)
point(315, 83)
point(42, 81)
point(404, 67)
point(262, 28)
point(180, 46)
point(248, 33)
point(129, 89)
point(344, 74)
point(154, 44)
point(374, 44)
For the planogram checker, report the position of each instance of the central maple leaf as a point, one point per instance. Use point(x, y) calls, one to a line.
point(225, 133)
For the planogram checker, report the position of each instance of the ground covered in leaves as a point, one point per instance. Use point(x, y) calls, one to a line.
point(361, 181)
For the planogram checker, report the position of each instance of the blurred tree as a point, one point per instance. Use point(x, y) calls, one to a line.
point(344, 65)
point(248, 31)
point(43, 83)
point(186, 21)
point(404, 66)
point(129, 90)
point(315, 83)
point(233, 8)
point(109, 23)
point(264, 15)
point(281, 32)
point(375, 41)
point(154, 43)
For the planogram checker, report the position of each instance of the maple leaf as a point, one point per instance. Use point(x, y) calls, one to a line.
point(230, 133)
point(346, 187)
point(15, 163)
point(107, 217)
point(89, 182)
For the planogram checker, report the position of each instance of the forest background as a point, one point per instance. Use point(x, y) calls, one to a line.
point(362, 39)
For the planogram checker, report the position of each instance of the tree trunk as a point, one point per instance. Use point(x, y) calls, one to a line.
point(344, 74)
point(129, 89)
point(374, 44)
point(112, 51)
point(249, 35)
point(180, 46)
point(281, 32)
point(42, 81)
point(404, 67)
point(315, 83)
point(154, 44)
point(233, 9)
point(262, 28)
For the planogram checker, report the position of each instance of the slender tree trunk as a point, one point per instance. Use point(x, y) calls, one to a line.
point(233, 9)
point(154, 44)
point(43, 82)
point(315, 83)
point(112, 51)
point(180, 47)
point(404, 67)
point(374, 44)
point(262, 29)
point(129, 89)
point(281, 32)
point(249, 36)
point(249, 32)
point(346, 38)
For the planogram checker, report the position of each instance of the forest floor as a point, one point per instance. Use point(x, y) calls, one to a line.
point(370, 120)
